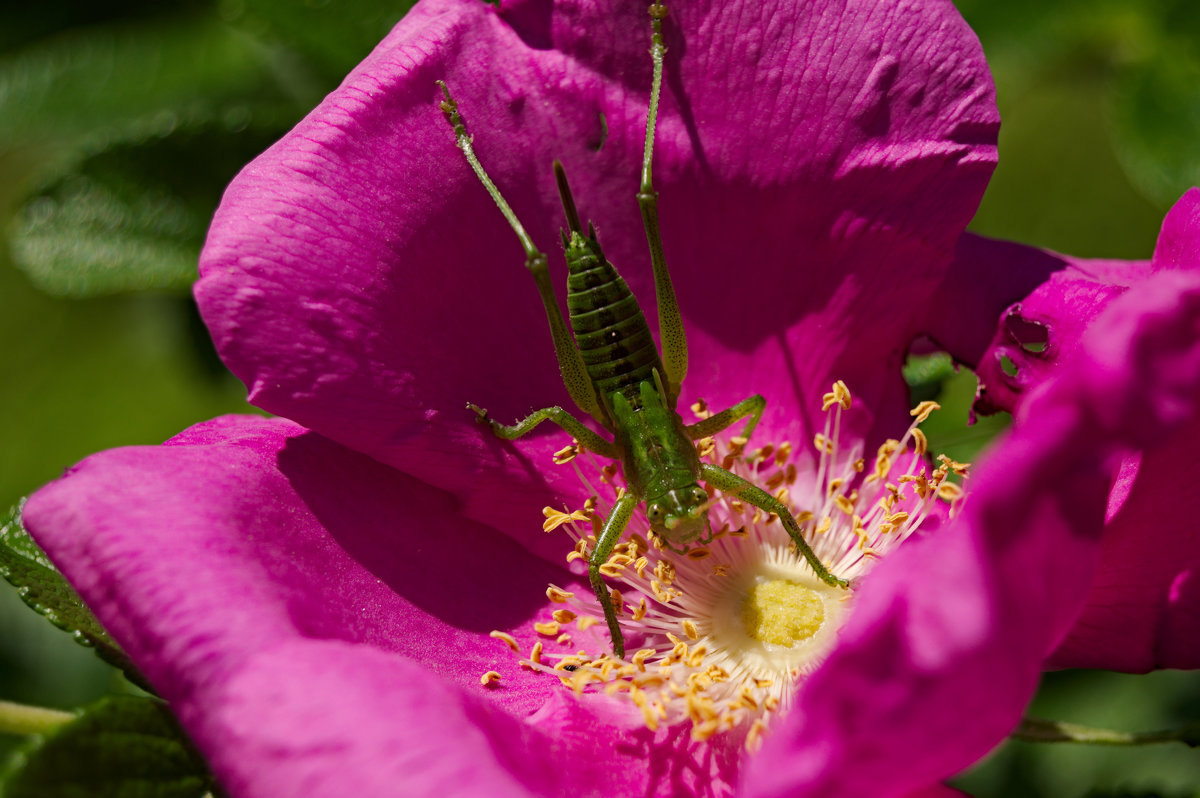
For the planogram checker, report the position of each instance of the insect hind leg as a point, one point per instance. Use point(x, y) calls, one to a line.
point(570, 363)
point(670, 322)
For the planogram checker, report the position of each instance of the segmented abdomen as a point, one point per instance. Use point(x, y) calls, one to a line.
point(610, 328)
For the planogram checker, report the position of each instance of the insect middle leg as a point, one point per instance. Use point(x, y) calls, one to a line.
point(606, 541)
point(752, 407)
point(510, 432)
point(750, 493)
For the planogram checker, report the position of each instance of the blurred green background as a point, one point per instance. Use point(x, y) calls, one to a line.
point(121, 122)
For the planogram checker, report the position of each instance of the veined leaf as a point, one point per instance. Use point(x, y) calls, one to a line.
point(133, 216)
point(88, 89)
point(119, 747)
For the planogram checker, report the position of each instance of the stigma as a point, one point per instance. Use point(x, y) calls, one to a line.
point(724, 633)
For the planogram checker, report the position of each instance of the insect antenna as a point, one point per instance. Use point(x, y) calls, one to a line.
point(568, 201)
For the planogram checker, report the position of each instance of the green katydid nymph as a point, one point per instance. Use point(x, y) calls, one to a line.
point(614, 372)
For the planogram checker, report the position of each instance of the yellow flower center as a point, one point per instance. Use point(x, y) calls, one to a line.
point(782, 613)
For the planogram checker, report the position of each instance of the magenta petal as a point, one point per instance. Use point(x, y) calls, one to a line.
point(280, 533)
point(1144, 602)
point(360, 282)
point(1035, 305)
point(320, 622)
point(1143, 609)
point(328, 718)
point(250, 546)
point(985, 277)
point(1179, 242)
point(956, 626)
point(1014, 313)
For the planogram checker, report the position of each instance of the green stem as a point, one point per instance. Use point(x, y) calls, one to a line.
point(24, 719)
point(1038, 730)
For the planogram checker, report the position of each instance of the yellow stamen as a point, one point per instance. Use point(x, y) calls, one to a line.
point(754, 736)
point(508, 639)
point(923, 410)
point(948, 491)
point(665, 571)
point(567, 453)
point(556, 518)
point(839, 395)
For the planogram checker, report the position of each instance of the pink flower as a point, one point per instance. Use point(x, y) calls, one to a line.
point(314, 596)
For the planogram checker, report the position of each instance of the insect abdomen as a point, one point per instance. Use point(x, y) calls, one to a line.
point(610, 328)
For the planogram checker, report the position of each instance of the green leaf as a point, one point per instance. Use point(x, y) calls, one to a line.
point(926, 373)
point(1156, 120)
point(22, 23)
point(119, 747)
point(133, 216)
point(333, 37)
point(89, 89)
point(948, 430)
point(43, 588)
point(108, 125)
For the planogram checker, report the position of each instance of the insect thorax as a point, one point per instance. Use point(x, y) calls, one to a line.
point(658, 457)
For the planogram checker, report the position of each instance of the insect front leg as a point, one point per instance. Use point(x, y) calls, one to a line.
point(752, 407)
point(606, 541)
point(510, 432)
point(750, 493)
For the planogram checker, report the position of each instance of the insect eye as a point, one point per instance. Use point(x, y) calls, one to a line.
point(654, 512)
point(699, 496)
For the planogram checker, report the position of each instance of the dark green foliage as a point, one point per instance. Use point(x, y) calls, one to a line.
point(332, 37)
point(119, 747)
point(1118, 81)
point(926, 373)
point(1136, 794)
point(1157, 119)
point(133, 216)
point(123, 134)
